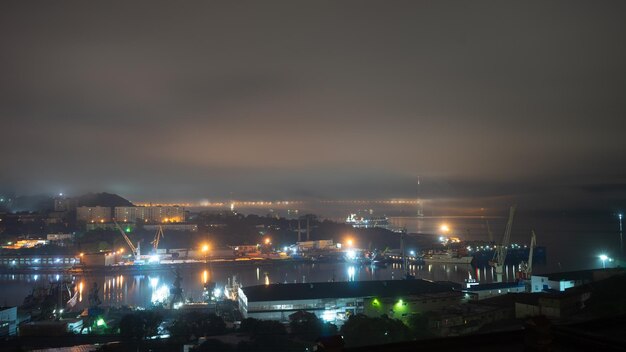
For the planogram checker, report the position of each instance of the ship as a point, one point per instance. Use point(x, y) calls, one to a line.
point(366, 221)
point(447, 257)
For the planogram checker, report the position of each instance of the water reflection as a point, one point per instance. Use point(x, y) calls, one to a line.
point(141, 290)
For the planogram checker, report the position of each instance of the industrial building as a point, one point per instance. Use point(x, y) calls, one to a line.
point(563, 281)
point(488, 290)
point(8, 321)
point(336, 301)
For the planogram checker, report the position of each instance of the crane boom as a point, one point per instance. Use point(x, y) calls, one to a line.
point(157, 238)
point(526, 268)
point(533, 243)
point(128, 241)
point(489, 233)
point(501, 251)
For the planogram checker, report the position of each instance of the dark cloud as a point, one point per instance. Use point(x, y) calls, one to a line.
point(323, 100)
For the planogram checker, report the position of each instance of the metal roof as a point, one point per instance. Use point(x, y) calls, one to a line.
point(344, 289)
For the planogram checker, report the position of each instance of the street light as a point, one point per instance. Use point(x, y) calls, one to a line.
point(205, 250)
point(603, 258)
point(350, 242)
point(444, 228)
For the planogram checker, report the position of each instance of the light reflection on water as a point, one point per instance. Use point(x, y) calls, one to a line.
point(139, 289)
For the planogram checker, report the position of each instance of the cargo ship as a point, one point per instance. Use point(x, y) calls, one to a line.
point(449, 256)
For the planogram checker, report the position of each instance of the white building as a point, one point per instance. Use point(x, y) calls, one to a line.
point(93, 214)
point(150, 214)
point(563, 281)
point(59, 236)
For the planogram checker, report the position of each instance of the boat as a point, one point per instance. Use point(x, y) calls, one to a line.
point(450, 257)
point(367, 221)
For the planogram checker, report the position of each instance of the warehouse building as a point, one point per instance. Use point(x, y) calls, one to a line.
point(335, 302)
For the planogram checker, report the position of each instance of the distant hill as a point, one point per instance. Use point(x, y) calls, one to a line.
point(36, 203)
point(102, 200)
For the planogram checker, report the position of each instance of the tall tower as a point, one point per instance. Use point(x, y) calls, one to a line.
point(420, 208)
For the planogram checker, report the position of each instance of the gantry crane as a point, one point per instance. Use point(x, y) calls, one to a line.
point(499, 256)
point(133, 249)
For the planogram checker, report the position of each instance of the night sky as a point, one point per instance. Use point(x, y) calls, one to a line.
point(488, 102)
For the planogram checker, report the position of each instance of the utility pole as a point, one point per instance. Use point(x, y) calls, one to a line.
point(308, 229)
point(299, 231)
point(621, 236)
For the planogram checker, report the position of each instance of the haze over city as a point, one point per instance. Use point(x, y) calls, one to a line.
point(285, 101)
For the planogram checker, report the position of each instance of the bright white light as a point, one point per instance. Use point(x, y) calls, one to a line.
point(285, 249)
point(351, 272)
point(603, 257)
point(339, 245)
point(160, 295)
point(154, 281)
point(153, 259)
point(217, 292)
point(441, 238)
point(177, 305)
point(57, 260)
point(412, 252)
point(329, 316)
point(351, 254)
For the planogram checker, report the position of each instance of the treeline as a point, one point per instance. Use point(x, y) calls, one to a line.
point(303, 331)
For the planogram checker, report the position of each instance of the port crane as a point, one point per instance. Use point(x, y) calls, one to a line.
point(526, 268)
point(157, 239)
point(499, 256)
point(133, 249)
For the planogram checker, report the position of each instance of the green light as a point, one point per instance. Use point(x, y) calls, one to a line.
point(128, 229)
point(400, 302)
point(375, 302)
point(101, 322)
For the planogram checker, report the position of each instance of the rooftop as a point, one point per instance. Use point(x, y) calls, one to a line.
point(581, 274)
point(345, 289)
point(494, 286)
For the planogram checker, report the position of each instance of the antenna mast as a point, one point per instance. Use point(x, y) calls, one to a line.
point(420, 209)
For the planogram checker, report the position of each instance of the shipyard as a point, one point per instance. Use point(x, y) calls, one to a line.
point(339, 176)
point(290, 273)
